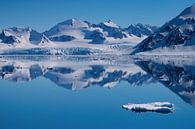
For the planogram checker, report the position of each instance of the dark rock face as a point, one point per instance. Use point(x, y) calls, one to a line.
point(96, 36)
point(7, 39)
point(116, 33)
point(63, 38)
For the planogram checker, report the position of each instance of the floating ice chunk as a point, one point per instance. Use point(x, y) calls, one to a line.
point(159, 107)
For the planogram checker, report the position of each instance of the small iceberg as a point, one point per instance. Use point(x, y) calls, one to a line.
point(159, 107)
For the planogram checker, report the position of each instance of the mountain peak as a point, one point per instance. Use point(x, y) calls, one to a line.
point(110, 23)
point(140, 29)
point(17, 31)
point(188, 12)
point(75, 23)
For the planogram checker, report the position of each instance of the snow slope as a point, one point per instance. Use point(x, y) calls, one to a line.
point(71, 27)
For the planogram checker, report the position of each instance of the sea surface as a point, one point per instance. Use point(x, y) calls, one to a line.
point(88, 92)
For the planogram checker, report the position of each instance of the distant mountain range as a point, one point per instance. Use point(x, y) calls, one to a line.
point(78, 30)
point(178, 34)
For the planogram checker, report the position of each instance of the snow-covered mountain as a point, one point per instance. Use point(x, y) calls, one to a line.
point(72, 36)
point(75, 29)
point(177, 34)
point(22, 37)
point(67, 30)
point(141, 30)
point(112, 30)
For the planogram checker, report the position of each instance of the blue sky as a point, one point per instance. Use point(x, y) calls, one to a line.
point(43, 14)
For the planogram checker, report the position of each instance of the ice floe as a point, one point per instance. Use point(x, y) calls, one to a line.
point(159, 107)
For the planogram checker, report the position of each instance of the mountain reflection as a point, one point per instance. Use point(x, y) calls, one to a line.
point(177, 75)
point(76, 73)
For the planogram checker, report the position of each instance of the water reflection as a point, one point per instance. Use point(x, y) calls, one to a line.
point(177, 74)
point(76, 73)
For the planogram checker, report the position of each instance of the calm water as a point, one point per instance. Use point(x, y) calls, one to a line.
point(88, 93)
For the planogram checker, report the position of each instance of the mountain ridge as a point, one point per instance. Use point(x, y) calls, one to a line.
point(175, 34)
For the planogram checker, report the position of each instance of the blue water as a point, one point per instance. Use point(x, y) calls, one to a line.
point(41, 104)
point(73, 93)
